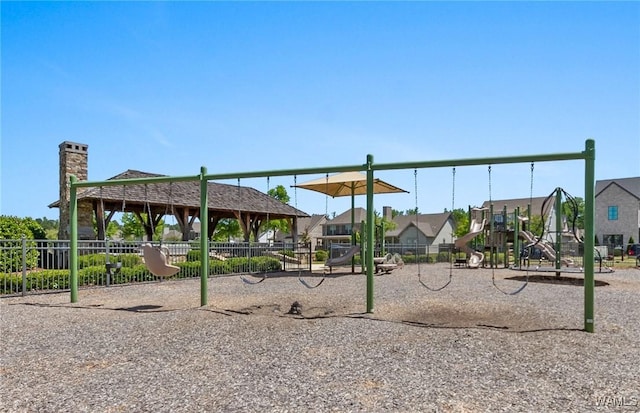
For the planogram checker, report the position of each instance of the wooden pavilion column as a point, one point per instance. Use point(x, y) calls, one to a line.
point(185, 221)
point(102, 221)
point(150, 223)
point(250, 224)
point(213, 223)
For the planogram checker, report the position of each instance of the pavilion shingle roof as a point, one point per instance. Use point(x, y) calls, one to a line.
point(223, 200)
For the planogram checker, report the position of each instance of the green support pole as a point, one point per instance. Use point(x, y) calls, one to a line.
point(516, 238)
point(370, 234)
point(73, 229)
point(505, 250)
point(589, 231)
point(382, 236)
point(475, 239)
point(353, 220)
point(491, 236)
point(204, 235)
point(558, 262)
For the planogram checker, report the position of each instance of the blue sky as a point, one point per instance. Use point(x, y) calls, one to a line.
point(167, 87)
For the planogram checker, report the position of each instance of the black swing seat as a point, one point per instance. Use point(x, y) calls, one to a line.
point(113, 267)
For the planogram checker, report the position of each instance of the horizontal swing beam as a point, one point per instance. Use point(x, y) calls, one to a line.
point(481, 161)
point(332, 169)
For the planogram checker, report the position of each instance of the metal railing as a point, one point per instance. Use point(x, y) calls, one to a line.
point(36, 266)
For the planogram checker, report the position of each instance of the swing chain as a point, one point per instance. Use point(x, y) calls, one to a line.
point(453, 191)
point(295, 191)
point(531, 188)
point(415, 188)
point(424, 284)
point(489, 184)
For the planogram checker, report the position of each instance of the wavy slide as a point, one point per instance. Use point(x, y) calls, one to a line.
point(544, 246)
point(474, 258)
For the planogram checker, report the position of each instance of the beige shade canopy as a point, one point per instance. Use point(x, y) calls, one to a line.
point(348, 184)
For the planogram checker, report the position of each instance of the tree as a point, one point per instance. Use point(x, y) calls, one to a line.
point(461, 220)
point(535, 225)
point(226, 230)
point(279, 193)
point(36, 229)
point(575, 210)
point(112, 228)
point(50, 226)
point(132, 228)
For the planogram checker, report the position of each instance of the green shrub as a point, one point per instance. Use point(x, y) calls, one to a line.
point(321, 255)
point(131, 271)
point(442, 257)
point(193, 255)
point(135, 273)
point(96, 260)
point(37, 232)
point(91, 260)
point(288, 253)
point(127, 260)
point(217, 267)
point(14, 228)
point(47, 280)
point(10, 283)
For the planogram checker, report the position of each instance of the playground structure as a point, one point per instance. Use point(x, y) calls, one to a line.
point(588, 156)
point(508, 235)
point(474, 258)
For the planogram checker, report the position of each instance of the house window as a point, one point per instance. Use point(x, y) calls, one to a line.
point(613, 213)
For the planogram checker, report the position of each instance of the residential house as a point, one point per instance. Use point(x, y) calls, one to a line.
point(339, 229)
point(617, 211)
point(309, 230)
point(424, 230)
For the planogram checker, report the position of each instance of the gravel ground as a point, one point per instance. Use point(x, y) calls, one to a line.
point(152, 348)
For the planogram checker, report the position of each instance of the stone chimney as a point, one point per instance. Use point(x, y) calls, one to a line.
point(387, 213)
point(74, 161)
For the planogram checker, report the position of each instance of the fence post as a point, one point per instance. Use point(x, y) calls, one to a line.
point(24, 265)
point(107, 261)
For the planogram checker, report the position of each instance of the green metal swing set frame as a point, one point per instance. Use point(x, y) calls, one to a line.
point(588, 156)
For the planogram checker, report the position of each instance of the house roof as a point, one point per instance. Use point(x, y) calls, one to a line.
point(429, 224)
point(522, 203)
point(630, 185)
point(304, 224)
point(309, 223)
point(224, 200)
point(360, 214)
